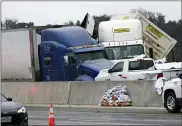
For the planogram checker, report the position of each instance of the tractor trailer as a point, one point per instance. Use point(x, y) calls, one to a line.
point(130, 35)
point(53, 54)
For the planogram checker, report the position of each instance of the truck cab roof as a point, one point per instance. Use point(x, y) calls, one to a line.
point(67, 36)
point(120, 30)
point(39, 29)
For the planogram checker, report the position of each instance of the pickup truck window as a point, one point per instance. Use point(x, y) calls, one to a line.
point(140, 65)
point(118, 67)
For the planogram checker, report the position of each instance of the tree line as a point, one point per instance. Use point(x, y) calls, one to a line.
point(172, 28)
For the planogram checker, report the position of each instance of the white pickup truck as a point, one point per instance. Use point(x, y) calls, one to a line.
point(130, 69)
point(171, 91)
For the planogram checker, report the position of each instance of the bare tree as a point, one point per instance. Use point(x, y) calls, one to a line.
point(69, 23)
point(78, 23)
point(10, 23)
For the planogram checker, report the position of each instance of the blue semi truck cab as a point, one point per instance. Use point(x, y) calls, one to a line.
point(69, 54)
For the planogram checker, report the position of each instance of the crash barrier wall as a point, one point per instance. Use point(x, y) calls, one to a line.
point(79, 93)
point(37, 92)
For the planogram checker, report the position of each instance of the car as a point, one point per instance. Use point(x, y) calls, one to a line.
point(13, 113)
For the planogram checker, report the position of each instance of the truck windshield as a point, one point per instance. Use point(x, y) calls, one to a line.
point(128, 51)
point(92, 55)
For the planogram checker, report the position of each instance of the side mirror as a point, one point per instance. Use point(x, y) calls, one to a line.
point(66, 60)
point(9, 99)
point(110, 71)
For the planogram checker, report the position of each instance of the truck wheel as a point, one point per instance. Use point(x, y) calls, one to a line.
point(171, 103)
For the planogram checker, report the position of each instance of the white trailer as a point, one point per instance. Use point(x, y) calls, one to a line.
point(134, 29)
point(20, 60)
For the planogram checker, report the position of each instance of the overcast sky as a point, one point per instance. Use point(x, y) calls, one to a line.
point(42, 13)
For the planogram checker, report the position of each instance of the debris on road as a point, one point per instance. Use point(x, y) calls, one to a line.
point(117, 96)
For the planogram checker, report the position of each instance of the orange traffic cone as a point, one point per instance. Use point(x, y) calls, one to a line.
point(51, 116)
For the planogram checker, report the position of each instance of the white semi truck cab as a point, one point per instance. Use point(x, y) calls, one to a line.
point(122, 37)
point(130, 35)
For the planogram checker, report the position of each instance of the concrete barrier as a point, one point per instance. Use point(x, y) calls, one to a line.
point(37, 92)
point(79, 93)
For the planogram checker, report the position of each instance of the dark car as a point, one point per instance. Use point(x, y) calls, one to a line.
point(12, 113)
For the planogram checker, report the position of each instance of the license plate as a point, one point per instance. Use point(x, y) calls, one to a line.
point(6, 119)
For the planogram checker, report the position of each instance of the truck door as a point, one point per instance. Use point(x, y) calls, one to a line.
point(51, 73)
point(70, 67)
point(50, 64)
point(116, 73)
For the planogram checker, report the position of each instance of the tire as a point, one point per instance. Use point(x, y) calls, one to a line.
point(172, 107)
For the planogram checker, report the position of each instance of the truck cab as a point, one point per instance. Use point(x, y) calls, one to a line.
point(129, 35)
point(62, 52)
point(123, 37)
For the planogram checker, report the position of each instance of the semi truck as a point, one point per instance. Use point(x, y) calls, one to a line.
point(23, 50)
point(64, 53)
point(20, 60)
point(54, 54)
point(130, 35)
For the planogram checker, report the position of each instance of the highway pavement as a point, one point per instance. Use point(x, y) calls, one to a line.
point(84, 116)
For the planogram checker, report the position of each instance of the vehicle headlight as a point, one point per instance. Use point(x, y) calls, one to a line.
point(22, 110)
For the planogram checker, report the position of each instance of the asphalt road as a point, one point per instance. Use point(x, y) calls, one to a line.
point(77, 116)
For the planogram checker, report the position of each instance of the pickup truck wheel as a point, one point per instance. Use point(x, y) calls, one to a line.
point(171, 103)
